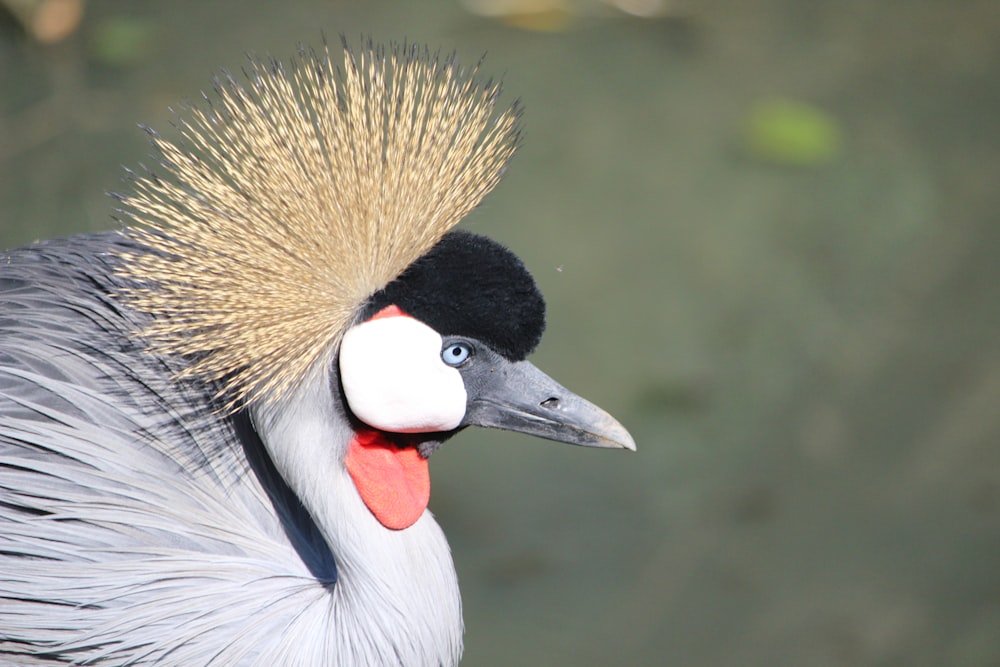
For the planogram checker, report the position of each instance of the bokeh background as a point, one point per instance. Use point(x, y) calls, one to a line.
point(768, 232)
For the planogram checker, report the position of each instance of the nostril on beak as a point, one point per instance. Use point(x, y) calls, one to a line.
point(552, 403)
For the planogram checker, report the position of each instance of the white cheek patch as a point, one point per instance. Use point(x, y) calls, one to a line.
point(394, 379)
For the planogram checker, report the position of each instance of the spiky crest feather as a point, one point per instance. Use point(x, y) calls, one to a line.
point(294, 198)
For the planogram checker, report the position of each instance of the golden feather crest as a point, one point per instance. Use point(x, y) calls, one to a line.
point(293, 198)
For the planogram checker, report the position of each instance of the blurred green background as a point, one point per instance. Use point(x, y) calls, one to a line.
point(769, 238)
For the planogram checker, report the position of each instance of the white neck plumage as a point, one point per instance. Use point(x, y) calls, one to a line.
point(396, 600)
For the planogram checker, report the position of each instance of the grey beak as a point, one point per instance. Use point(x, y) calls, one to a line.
point(517, 396)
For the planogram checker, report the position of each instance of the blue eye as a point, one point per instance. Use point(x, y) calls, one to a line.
point(455, 354)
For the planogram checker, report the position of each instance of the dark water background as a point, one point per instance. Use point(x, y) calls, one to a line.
point(805, 346)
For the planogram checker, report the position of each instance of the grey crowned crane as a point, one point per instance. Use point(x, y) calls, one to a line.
point(215, 423)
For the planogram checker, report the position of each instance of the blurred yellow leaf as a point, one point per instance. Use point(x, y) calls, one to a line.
point(536, 15)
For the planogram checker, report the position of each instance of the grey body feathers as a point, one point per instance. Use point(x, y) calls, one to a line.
point(136, 525)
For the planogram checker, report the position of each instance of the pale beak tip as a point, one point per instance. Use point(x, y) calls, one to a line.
point(613, 435)
point(628, 443)
point(623, 439)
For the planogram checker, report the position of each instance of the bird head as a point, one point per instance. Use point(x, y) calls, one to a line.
point(441, 348)
point(305, 220)
point(444, 345)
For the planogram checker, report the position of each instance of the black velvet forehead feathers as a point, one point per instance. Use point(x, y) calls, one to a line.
point(470, 285)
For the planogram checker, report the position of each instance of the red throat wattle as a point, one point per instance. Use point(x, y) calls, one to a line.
point(394, 482)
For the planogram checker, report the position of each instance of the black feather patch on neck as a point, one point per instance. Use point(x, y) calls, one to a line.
point(469, 285)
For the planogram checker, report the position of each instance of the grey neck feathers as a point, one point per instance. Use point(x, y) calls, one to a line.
point(396, 600)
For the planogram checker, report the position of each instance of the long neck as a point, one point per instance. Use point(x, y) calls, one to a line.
point(396, 600)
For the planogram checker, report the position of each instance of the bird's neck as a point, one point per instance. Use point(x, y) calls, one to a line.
point(396, 594)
